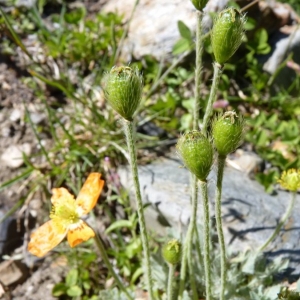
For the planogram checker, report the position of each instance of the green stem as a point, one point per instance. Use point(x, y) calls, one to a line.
point(104, 256)
point(189, 237)
point(192, 275)
point(207, 263)
point(170, 282)
point(129, 132)
point(198, 71)
point(281, 222)
point(221, 164)
point(212, 97)
point(198, 248)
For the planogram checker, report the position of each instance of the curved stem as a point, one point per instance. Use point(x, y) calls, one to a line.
point(198, 71)
point(221, 164)
point(207, 263)
point(104, 256)
point(281, 222)
point(212, 97)
point(187, 247)
point(129, 132)
point(170, 282)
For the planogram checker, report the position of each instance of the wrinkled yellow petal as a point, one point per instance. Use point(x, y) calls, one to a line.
point(61, 195)
point(79, 232)
point(89, 193)
point(45, 238)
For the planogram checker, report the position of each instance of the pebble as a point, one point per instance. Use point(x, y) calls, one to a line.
point(13, 155)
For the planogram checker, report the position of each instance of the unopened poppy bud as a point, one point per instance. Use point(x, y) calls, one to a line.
point(197, 153)
point(227, 132)
point(227, 34)
point(199, 4)
point(171, 252)
point(123, 90)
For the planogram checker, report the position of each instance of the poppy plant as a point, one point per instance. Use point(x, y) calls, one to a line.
point(66, 216)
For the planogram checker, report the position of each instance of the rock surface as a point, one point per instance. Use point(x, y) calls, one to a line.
point(249, 213)
point(153, 28)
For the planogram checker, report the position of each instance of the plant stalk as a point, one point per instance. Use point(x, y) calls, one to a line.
point(187, 247)
point(212, 97)
point(170, 282)
point(198, 71)
point(206, 228)
point(104, 256)
point(221, 164)
point(281, 222)
point(129, 132)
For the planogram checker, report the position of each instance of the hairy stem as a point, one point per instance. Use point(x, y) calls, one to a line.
point(281, 222)
point(170, 282)
point(187, 247)
point(198, 71)
point(212, 96)
point(104, 256)
point(207, 263)
point(221, 164)
point(129, 132)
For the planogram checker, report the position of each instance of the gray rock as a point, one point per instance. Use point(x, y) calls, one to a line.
point(153, 29)
point(283, 43)
point(13, 155)
point(249, 213)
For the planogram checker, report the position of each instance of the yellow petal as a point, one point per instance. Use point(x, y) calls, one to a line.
point(89, 193)
point(79, 232)
point(60, 195)
point(45, 238)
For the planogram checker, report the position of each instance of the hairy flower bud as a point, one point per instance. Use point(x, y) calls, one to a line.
point(227, 34)
point(227, 131)
point(199, 4)
point(197, 153)
point(171, 252)
point(123, 90)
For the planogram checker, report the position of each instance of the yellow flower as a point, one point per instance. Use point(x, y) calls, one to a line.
point(65, 217)
point(290, 180)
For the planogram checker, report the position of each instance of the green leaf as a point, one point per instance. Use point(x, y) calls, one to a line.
point(181, 46)
point(249, 265)
point(119, 224)
point(59, 289)
point(72, 277)
point(74, 291)
point(184, 31)
point(75, 16)
point(136, 275)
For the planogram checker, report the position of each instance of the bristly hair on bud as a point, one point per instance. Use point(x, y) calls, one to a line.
point(123, 90)
point(171, 251)
point(197, 153)
point(227, 132)
point(199, 4)
point(227, 34)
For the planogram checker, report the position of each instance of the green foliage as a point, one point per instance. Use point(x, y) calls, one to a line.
point(78, 281)
point(186, 42)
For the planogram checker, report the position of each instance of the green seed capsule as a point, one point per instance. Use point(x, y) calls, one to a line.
point(197, 153)
point(227, 34)
point(227, 131)
point(199, 4)
point(123, 90)
point(171, 252)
